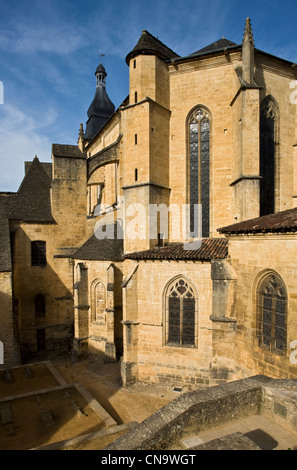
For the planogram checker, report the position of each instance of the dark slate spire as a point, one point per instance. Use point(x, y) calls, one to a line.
point(101, 107)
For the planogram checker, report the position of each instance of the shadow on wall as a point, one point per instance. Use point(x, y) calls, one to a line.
point(9, 355)
point(43, 302)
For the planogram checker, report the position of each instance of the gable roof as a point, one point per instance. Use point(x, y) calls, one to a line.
point(149, 44)
point(284, 221)
point(210, 248)
point(5, 252)
point(32, 201)
point(218, 45)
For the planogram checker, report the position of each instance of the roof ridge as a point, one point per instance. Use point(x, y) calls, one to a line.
point(157, 39)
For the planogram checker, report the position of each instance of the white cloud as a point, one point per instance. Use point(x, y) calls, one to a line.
point(21, 138)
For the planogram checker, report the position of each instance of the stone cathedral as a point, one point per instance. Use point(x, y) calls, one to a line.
point(166, 237)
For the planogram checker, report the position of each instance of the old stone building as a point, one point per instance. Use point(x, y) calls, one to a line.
point(167, 236)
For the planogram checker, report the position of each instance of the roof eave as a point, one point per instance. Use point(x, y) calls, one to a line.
point(206, 54)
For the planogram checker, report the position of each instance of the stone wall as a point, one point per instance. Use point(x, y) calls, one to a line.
point(8, 347)
point(197, 411)
point(144, 324)
point(252, 257)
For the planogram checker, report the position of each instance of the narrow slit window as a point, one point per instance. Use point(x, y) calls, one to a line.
point(136, 174)
point(40, 306)
point(199, 170)
point(267, 156)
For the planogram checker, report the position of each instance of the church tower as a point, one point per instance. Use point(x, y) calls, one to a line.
point(101, 107)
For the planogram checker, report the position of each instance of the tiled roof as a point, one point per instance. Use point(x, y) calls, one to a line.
point(59, 150)
point(5, 254)
point(221, 44)
point(32, 201)
point(210, 248)
point(148, 44)
point(285, 221)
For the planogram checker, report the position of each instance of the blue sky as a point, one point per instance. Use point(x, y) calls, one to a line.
point(49, 50)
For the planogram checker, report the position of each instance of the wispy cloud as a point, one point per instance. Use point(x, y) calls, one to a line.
point(21, 138)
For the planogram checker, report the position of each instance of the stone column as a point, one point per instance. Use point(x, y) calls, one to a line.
point(224, 321)
point(110, 348)
point(246, 110)
point(81, 313)
point(129, 366)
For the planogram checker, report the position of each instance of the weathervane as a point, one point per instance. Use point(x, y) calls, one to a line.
point(101, 54)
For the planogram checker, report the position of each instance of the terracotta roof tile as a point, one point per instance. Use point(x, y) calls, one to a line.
point(284, 221)
point(210, 248)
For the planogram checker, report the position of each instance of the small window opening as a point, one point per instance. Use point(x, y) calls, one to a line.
point(39, 305)
point(38, 253)
point(136, 174)
point(160, 239)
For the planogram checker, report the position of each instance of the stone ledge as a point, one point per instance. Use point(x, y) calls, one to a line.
point(202, 409)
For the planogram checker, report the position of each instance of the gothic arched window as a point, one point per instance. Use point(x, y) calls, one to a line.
point(272, 313)
point(267, 156)
point(199, 157)
point(180, 314)
point(98, 301)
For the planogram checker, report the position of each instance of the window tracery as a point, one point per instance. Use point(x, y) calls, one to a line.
point(199, 172)
point(272, 313)
point(181, 314)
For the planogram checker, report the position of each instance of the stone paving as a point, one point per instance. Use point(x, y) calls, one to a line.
point(261, 430)
point(83, 406)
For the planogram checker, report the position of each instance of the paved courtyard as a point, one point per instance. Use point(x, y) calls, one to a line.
point(66, 405)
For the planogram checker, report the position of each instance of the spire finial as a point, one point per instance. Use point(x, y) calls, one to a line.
point(81, 130)
point(81, 137)
point(248, 33)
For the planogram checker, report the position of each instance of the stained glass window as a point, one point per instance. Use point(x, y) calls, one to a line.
point(199, 136)
point(272, 304)
point(267, 156)
point(181, 314)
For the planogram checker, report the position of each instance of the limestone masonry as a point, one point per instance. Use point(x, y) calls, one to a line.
point(167, 236)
